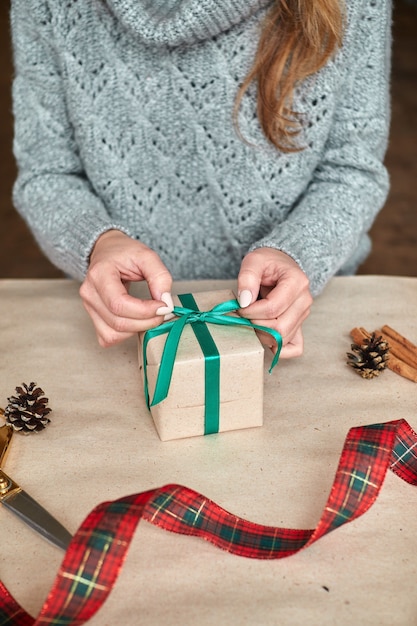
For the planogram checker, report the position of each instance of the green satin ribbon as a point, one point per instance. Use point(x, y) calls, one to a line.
point(190, 314)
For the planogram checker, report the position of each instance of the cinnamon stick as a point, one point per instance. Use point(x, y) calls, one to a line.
point(394, 363)
point(400, 346)
point(359, 334)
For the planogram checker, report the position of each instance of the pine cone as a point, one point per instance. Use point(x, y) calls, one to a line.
point(27, 411)
point(370, 358)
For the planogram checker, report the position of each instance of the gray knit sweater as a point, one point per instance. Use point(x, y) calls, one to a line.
point(123, 113)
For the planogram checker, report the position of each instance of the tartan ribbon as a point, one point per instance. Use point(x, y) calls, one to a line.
point(190, 314)
point(96, 554)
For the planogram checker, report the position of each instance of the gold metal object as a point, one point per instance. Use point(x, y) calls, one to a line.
point(8, 487)
point(6, 432)
point(13, 497)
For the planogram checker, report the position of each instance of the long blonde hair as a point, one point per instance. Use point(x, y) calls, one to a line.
point(297, 39)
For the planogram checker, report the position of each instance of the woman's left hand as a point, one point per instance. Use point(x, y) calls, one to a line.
point(285, 297)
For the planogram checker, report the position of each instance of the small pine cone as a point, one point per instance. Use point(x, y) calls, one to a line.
point(370, 358)
point(27, 411)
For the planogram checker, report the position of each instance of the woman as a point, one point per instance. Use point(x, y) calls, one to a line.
point(170, 139)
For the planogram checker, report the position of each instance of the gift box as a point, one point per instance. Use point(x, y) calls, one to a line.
point(216, 378)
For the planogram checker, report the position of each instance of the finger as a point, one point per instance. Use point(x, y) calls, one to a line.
point(294, 347)
point(249, 281)
point(104, 292)
point(158, 278)
point(277, 300)
point(291, 346)
point(287, 325)
point(265, 268)
point(113, 329)
point(121, 329)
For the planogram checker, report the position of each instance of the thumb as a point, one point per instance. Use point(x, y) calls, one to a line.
point(248, 282)
point(159, 281)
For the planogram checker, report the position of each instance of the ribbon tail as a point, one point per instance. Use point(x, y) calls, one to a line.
point(166, 366)
point(227, 320)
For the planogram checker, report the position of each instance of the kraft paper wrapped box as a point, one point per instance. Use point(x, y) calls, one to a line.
point(183, 413)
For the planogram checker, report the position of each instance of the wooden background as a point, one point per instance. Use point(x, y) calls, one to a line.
point(394, 232)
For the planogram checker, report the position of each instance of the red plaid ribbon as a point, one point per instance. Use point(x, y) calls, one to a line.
point(98, 549)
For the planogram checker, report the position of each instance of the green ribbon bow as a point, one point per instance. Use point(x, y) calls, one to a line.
point(190, 314)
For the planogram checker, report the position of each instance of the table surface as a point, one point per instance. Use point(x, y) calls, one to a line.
point(102, 445)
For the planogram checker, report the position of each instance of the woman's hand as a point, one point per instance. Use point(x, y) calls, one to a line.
point(285, 296)
point(115, 261)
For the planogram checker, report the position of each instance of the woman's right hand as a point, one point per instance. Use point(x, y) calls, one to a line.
point(115, 262)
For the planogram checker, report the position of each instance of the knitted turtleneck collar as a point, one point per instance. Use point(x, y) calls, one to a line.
point(173, 22)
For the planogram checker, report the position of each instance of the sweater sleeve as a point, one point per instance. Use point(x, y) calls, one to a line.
point(327, 229)
point(51, 192)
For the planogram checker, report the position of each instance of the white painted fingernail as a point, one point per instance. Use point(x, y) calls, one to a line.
point(245, 298)
point(168, 317)
point(163, 310)
point(167, 298)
